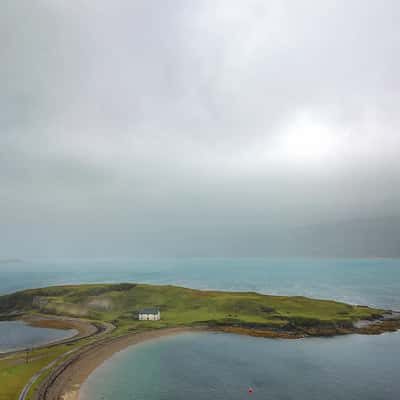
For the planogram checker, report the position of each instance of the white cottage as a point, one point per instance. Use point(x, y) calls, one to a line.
point(149, 314)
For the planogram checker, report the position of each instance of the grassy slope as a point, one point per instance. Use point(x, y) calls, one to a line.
point(120, 303)
point(15, 372)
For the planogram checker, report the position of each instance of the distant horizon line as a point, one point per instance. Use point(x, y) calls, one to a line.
point(134, 258)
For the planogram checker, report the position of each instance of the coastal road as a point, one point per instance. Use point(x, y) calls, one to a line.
point(23, 395)
point(34, 378)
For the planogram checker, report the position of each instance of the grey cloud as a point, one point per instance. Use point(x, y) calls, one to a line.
point(178, 127)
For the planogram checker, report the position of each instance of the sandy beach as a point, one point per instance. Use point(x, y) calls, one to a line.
point(66, 381)
point(83, 328)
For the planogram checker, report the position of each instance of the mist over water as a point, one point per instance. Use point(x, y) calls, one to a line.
point(211, 128)
point(203, 129)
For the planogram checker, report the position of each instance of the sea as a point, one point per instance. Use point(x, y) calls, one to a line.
point(220, 366)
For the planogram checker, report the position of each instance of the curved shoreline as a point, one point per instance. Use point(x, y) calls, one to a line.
point(82, 330)
point(65, 382)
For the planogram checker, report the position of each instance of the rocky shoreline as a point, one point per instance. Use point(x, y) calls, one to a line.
point(389, 322)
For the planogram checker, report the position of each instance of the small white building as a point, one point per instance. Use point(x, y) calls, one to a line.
point(149, 314)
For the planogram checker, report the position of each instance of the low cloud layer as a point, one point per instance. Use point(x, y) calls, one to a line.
point(198, 128)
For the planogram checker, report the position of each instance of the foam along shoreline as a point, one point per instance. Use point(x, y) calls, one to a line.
point(65, 382)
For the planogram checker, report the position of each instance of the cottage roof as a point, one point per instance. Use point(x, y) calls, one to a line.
point(153, 311)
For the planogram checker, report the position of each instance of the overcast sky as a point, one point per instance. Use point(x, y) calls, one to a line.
point(210, 127)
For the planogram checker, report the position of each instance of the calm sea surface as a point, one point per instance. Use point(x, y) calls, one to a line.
point(206, 366)
point(15, 335)
point(221, 366)
point(374, 282)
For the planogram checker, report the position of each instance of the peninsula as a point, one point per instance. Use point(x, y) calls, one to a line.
point(113, 309)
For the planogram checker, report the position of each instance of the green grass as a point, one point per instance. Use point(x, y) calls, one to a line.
point(15, 371)
point(180, 306)
point(12, 379)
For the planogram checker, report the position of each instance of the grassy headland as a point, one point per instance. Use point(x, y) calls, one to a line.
point(118, 304)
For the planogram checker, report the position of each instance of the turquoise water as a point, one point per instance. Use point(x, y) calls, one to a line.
point(221, 366)
point(374, 282)
point(206, 366)
point(15, 335)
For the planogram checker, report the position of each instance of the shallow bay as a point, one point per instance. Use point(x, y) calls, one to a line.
point(202, 366)
point(16, 335)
